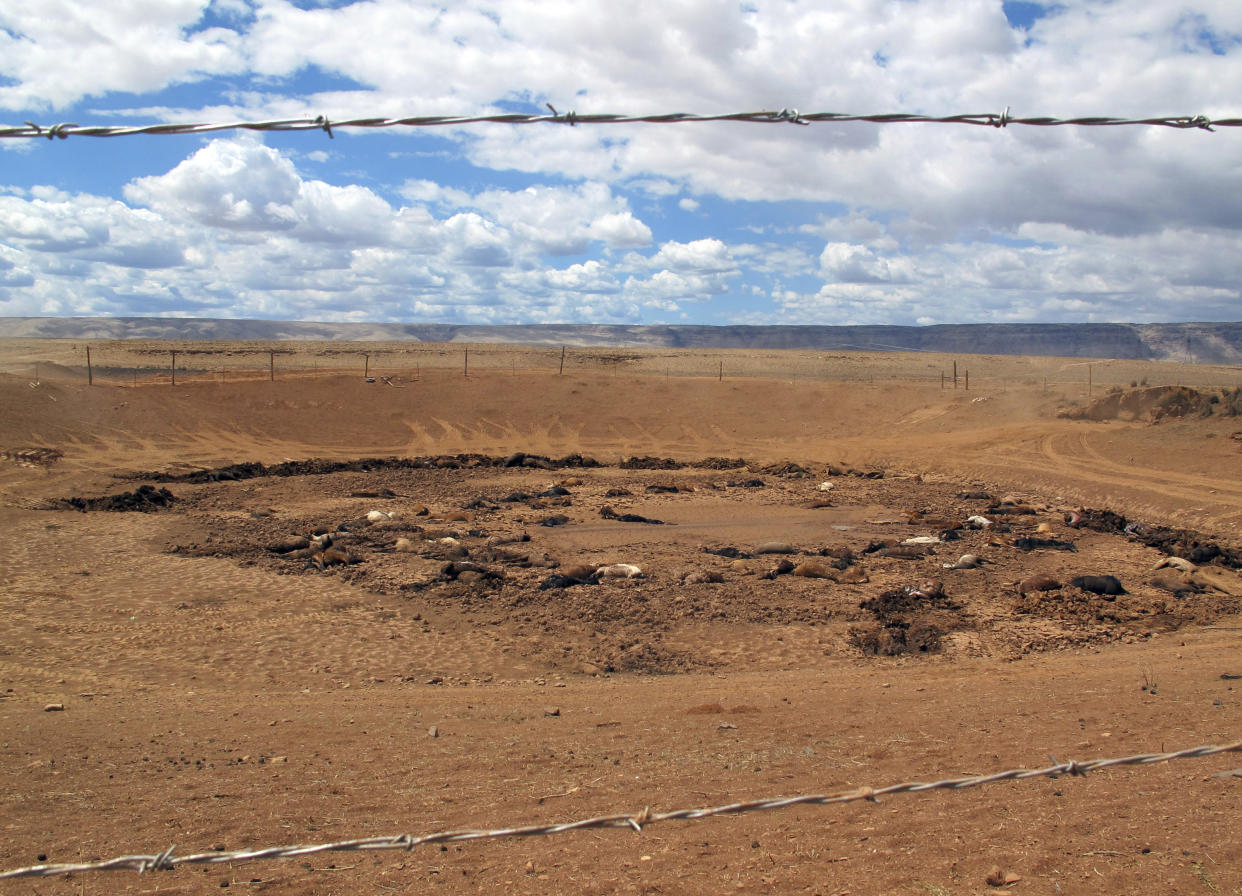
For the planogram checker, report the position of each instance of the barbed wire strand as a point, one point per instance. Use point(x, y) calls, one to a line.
point(66, 129)
point(637, 822)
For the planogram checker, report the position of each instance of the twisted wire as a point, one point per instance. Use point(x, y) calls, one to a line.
point(166, 861)
point(64, 130)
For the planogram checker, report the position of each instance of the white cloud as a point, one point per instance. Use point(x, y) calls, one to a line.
point(232, 184)
point(620, 230)
point(1127, 222)
point(706, 256)
point(58, 51)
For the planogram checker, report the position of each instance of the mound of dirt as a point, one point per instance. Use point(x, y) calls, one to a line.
point(1156, 403)
point(144, 499)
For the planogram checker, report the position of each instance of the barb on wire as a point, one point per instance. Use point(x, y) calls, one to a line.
point(787, 115)
point(166, 861)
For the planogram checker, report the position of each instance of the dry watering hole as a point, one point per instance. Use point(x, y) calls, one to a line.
point(628, 568)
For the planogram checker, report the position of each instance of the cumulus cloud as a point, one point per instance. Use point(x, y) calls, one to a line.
point(56, 52)
point(235, 229)
point(706, 256)
point(869, 222)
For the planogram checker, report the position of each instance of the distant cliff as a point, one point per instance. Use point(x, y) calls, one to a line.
point(1200, 343)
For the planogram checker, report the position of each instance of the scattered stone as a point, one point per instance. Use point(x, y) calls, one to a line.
point(776, 547)
point(1106, 585)
point(620, 571)
point(1048, 544)
point(966, 561)
point(702, 577)
point(813, 569)
point(556, 581)
point(904, 552)
point(609, 514)
point(292, 543)
point(1038, 582)
point(782, 568)
point(730, 552)
point(851, 575)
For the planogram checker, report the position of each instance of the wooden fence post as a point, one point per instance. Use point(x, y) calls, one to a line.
point(271, 366)
point(174, 368)
point(90, 375)
point(561, 372)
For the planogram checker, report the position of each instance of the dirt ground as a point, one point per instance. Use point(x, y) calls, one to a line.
point(223, 687)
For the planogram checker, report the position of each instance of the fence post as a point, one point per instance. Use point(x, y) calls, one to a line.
point(954, 374)
point(174, 368)
point(1088, 381)
point(90, 375)
point(967, 379)
point(366, 365)
point(721, 377)
point(271, 366)
point(561, 372)
point(465, 371)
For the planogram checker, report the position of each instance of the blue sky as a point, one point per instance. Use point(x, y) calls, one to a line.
point(712, 223)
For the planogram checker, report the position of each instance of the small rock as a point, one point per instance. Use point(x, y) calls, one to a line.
point(551, 710)
point(433, 731)
point(812, 569)
point(54, 707)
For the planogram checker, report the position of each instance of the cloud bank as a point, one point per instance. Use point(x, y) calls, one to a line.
point(702, 223)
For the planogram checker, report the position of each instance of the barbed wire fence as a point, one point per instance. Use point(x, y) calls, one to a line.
point(637, 822)
point(181, 362)
point(996, 120)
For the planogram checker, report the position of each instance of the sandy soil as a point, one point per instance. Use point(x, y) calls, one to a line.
point(219, 694)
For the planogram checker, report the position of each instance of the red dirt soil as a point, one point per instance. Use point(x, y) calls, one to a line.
point(217, 694)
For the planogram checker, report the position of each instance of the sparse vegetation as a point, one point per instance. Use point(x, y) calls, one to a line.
point(1150, 684)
